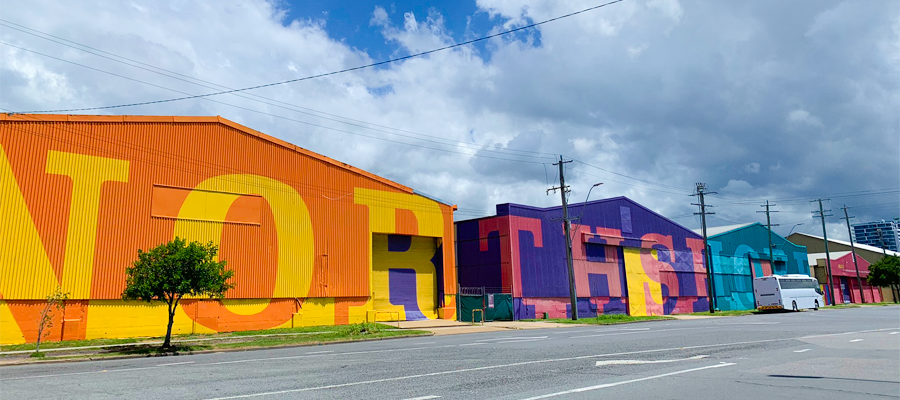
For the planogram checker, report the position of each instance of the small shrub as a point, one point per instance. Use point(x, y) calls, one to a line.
point(365, 328)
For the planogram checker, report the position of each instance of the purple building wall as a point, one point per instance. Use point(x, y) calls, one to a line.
point(614, 240)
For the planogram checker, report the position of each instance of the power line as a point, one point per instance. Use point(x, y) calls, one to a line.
point(624, 183)
point(630, 177)
point(198, 167)
point(393, 60)
point(291, 107)
point(285, 118)
point(288, 118)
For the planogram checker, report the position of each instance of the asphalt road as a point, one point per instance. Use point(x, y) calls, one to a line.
point(828, 354)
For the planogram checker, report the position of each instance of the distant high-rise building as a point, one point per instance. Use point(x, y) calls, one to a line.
point(867, 233)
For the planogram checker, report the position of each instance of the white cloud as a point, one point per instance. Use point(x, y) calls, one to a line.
point(670, 8)
point(634, 52)
point(737, 187)
point(379, 17)
point(804, 117)
point(708, 97)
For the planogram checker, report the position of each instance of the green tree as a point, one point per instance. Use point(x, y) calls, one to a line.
point(57, 301)
point(886, 273)
point(173, 270)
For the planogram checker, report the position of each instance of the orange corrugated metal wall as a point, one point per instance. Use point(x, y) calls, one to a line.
point(78, 193)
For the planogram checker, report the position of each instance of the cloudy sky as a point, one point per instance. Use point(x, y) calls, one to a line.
point(787, 101)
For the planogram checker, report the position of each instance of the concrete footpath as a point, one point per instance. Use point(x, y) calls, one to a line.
point(445, 327)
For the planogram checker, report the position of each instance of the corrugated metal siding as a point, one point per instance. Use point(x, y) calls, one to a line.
point(662, 255)
point(184, 152)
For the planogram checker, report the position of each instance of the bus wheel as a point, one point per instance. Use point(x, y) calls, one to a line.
point(795, 306)
point(817, 306)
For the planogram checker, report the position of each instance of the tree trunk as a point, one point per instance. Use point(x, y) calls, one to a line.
point(168, 341)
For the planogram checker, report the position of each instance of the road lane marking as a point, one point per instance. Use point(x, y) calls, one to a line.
point(424, 398)
point(518, 341)
point(325, 355)
point(856, 340)
point(628, 333)
point(894, 333)
point(489, 367)
point(178, 363)
point(423, 343)
point(512, 338)
point(472, 344)
point(844, 333)
point(566, 331)
point(802, 351)
point(75, 373)
point(646, 378)
point(453, 345)
point(321, 352)
point(639, 362)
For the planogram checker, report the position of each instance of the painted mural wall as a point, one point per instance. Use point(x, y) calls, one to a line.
point(309, 237)
point(627, 259)
point(844, 283)
point(740, 255)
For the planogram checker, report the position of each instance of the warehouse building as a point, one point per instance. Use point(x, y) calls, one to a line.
point(312, 241)
point(844, 285)
point(627, 259)
point(872, 254)
point(740, 253)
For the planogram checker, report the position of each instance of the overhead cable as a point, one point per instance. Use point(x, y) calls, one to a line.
point(389, 61)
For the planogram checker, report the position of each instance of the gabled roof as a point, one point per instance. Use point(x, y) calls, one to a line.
point(858, 245)
point(594, 202)
point(210, 120)
point(821, 256)
point(718, 230)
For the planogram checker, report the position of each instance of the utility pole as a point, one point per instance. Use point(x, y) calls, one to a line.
point(883, 246)
point(567, 226)
point(769, 226)
point(862, 298)
point(707, 258)
point(827, 254)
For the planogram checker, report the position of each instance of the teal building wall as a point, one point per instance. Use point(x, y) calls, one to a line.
point(741, 254)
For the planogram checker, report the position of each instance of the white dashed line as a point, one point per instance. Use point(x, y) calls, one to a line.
point(608, 385)
point(639, 362)
point(178, 363)
point(856, 340)
point(519, 341)
point(802, 351)
point(320, 352)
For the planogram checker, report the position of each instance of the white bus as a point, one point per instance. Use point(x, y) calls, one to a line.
point(792, 292)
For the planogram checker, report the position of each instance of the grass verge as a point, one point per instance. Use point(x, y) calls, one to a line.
point(220, 341)
point(607, 319)
point(843, 306)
